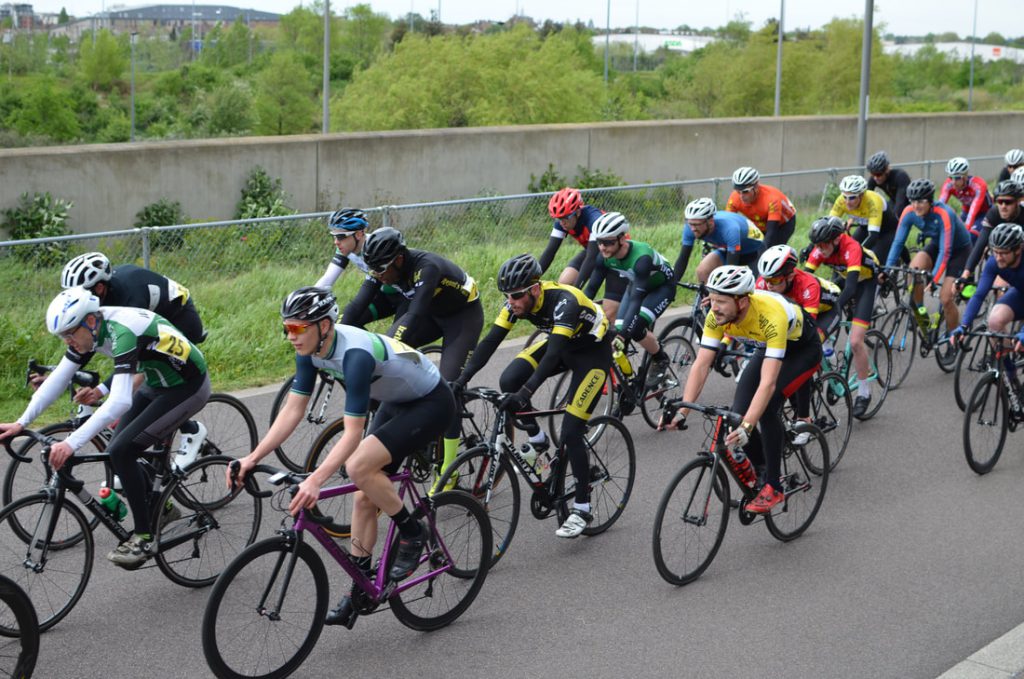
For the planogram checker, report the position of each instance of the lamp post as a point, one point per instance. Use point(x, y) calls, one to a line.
point(865, 81)
point(778, 60)
point(974, 38)
point(132, 41)
point(326, 123)
point(607, 40)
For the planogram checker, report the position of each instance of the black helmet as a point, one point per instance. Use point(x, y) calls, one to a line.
point(382, 246)
point(826, 229)
point(518, 273)
point(878, 163)
point(921, 189)
point(346, 220)
point(1007, 236)
point(310, 304)
point(1009, 187)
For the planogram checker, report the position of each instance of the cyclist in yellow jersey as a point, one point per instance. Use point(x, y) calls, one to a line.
point(867, 215)
point(788, 354)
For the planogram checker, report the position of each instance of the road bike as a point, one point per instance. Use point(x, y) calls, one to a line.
point(995, 407)
point(693, 513)
point(19, 627)
point(266, 610)
point(880, 369)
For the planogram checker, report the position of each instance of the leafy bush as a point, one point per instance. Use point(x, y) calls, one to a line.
point(552, 180)
point(38, 216)
point(549, 180)
point(262, 197)
point(163, 212)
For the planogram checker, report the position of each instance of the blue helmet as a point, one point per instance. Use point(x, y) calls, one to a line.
point(346, 220)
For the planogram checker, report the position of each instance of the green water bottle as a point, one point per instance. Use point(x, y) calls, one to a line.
point(112, 501)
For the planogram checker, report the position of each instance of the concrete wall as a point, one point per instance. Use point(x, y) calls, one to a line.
point(109, 183)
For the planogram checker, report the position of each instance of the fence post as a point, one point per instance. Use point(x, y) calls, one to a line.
point(385, 219)
point(833, 174)
point(717, 181)
point(145, 246)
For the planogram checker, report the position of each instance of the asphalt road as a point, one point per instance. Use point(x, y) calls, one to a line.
point(911, 566)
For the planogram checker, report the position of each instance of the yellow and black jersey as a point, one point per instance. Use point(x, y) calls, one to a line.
point(561, 310)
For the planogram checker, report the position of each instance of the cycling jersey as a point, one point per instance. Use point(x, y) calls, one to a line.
point(583, 262)
point(732, 233)
point(1014, 278)
point(651, 285)
point(872, 212)
point(588, 214)
point(941, 224)
point(771, 322)
point(847, 256)
point(771, 205)
point(990, 221)
point(974, 199)
point(815, 295)
point(561, 310)
point(895, 189)
point(338, 265)
point(370, 366)
point(133, 286)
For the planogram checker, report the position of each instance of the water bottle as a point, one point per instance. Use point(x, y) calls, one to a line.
point(529, 454)
point(623, 362)
point(828, 349)
point(922, 317)
point(744, 469)
point(112, 502)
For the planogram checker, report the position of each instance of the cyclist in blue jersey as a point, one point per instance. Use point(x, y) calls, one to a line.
point(1006, 262)
point(736, 239)
point(948, 245)
point(416, 407)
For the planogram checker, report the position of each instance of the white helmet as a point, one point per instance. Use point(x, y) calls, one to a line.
point(775, 259)
point(1014, 157)
point(69, 308)
point(957, 166)
point(744, 177)
point(86, 270)
point(702, 208)
point(609, 225)
point(853, 184)
point(1018, 175)
point(731, 280)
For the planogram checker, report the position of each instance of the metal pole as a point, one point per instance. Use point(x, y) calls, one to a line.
point(636, 36)
point(192, 52)
point(327, 67)
point(974, 37)
point(778, 60)
point(607, 40)
point(132, 40)
point(865, 82)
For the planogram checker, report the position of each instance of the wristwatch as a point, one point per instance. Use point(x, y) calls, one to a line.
point(747, 427)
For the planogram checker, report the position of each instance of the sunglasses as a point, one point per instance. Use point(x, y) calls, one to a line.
point(698, 225)
point(518, 294)
point(749, 189)
point(296, 328)
point(1005, 201)
point(775, 280)
point(340, 236)
point(954, 177)
point(607, 242)
point(378, 271)
point(850, 198)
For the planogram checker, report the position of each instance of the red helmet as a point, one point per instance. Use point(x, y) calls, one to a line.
point(564, 203)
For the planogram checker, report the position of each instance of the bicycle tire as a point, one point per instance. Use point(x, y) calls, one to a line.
point(292, 453)
point(18, 656)
point(945, 352)
point(236, 631)
point(690, 522)
point(986, 422)
point(230, 427)
point(971, 366)
point(217, 523)
point(681, 356)
point(340, 506)
point(677, 326)
point(58, 585)
point(26, 478)
point(459, 530)
point(805, 472)
point(832, 413)
point(901, 333)
point(612, 472)
point(880, 357)
point(473, 467)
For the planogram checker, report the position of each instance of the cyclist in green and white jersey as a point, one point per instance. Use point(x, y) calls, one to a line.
point(176, 387)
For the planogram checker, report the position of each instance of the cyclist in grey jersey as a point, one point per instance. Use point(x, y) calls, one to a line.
point(176, 387)
point(416, 407)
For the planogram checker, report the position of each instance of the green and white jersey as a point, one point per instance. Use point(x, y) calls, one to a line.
point(642, 262)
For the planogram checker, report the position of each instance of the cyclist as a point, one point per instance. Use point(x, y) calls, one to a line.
point(866, 210)
point(948, 246)
point(1018, 176)
point(1007, 263)
point(891, 180)
point(347, 228)
point(1014, 159)
point(1008, 209)
point(971, 191)
point(651, 287)
point(788, 354)
point(176, 387)
point(578, 341)
point(441, 301)
point(416, 406)
point(764, 205)
point(845, 255)
point(735, 239)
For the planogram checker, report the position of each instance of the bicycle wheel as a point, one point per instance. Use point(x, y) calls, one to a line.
point(681, 356)
point(477, 420)
point(339, 508)
point(263, 618)
point(691, 520)
point(54, 581)
point(26, 478)
point(230, 427)
point(214, 524)
point(612, 471)
point(804, 480)
point(986, 422)
point(880, 375)
point(460, 542)
point(19, 651)
point(502, 505)
point(945, 352)
point(677, 326)
point(899, 328)
point(971, 366)
point(292, 453)
point(831, 408)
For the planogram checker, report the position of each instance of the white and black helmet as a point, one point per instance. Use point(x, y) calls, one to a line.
point(1018, 175)
point(853, 184)
point(702, 208)
point(609, 225)
point(1006, 236)
point(86, 270)
point(731, 280)
point(957, 167)
point(778, 260)
point(744, 177)
point(69, 308)
point(1014, 157)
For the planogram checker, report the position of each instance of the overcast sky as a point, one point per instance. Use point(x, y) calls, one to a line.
point(907, 17)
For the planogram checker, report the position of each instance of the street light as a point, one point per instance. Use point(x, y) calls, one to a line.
point(132, 41)
point(607, 39)
point(327, 67)
point(974, 38)
point(778, 60)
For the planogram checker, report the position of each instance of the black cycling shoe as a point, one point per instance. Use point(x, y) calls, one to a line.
point(860, 406)
point(408, 556)
point(342, 614)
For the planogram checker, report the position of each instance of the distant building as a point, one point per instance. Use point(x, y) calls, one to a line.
point(650, 42)
point(959, 50)
point(21, 16)
point(162, 19)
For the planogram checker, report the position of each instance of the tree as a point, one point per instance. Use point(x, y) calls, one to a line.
point(229, 109)
point(363, 34)
point(284, 99)
point(63, 17)
point(231, 47)
point(104, 63)
point(45, 110)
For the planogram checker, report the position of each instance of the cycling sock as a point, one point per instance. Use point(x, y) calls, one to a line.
point(451, 449)
point(583, 507)
point(407, 526)
point(864, 389)
point(661, 355)
point(363, 563)
point(540, 437)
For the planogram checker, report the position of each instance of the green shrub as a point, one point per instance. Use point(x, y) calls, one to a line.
point(38, 216)
point(262, 197)
point(163, 212)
